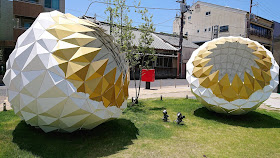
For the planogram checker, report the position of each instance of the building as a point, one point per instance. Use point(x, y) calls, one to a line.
point(261, 30)
point(166, 47)
point(276, 41)
point(15, 17)
point(188, 48)
point(207, 21)
point(276, 44)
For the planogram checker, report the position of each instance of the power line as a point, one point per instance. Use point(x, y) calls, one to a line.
point(101, 17)
point(268, 8)
point(165, 26)
point(136, 6)
point(157, 24)
point(274, 14)
point(164, 21)
point(269, 13)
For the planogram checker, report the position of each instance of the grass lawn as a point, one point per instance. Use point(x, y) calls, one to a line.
point(140, 132)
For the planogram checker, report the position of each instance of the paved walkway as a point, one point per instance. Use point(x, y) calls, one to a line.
point(273, 101)
point(175, 88)
point(179, 89)
point(4, 98)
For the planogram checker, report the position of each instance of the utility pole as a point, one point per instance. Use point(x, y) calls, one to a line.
point(95, 17)
point(181, 40)
point(249, 19)
point(184, 8)
point(111, 21)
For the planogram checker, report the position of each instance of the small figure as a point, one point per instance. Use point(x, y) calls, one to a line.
point(180, 118)
point(4, 107)
point(165, 116)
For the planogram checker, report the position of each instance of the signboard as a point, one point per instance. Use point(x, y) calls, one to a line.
point(148, 75)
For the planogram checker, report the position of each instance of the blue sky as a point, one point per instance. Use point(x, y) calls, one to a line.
point(163, 19)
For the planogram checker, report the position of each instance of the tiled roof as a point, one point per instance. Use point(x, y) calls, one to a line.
point(175, 41)
point(158, 42)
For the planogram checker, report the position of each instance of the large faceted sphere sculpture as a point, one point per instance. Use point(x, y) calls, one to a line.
point(232, 75)
point(66, 74)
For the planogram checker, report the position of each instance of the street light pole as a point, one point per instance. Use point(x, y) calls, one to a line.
point(111, 15)
point(89, 7)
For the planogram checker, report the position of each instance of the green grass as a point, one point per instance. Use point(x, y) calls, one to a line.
point(140, 132)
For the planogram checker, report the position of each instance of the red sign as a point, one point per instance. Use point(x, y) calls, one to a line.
point(148, 75)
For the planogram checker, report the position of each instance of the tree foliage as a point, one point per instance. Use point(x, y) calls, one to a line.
point(144, 49)
point(142, 55)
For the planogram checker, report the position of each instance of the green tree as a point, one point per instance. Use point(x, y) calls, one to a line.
point(144, 52)
point(141, 56)
point(120, 24)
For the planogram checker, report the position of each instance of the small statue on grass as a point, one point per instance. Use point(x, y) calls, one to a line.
point(165, 116)
point(180, 118)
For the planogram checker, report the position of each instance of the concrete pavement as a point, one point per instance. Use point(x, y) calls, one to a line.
point(175, 88)
point(4, 98)
point(273, 101)
point(178, 88)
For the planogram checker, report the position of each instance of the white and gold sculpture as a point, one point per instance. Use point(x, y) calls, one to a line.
point(66, 74)
point(232, 75)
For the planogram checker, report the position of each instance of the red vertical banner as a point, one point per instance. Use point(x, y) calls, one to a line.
point(148, 75)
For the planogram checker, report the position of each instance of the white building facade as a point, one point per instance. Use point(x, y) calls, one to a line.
point(207, 21)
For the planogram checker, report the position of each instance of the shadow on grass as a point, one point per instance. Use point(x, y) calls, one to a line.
point(153, 89)
point(157, 108)
point(252, 119)
point(136, 108)
point(104, 140)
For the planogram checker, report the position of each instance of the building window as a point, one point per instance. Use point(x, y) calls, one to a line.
point(48, 3)
point(209, 29)
point(260, 31)
point(197, 31)
point(186, 34)
point(24, 22)
point(208, 13)
point(189, 17)
point(26, 25)
point(54, 4)
point(164, 62)
point(205, 30)
point(224, 28)
point(33, 1)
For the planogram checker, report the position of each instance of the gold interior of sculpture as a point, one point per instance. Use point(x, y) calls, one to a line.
point(237, 89)
point(77, 62)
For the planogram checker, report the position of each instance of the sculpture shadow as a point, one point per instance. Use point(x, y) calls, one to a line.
point(104, 140)
point(157, 108)
point(252, 119)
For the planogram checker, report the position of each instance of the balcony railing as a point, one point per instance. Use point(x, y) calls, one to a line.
point(27, 9)
point(260, 34)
